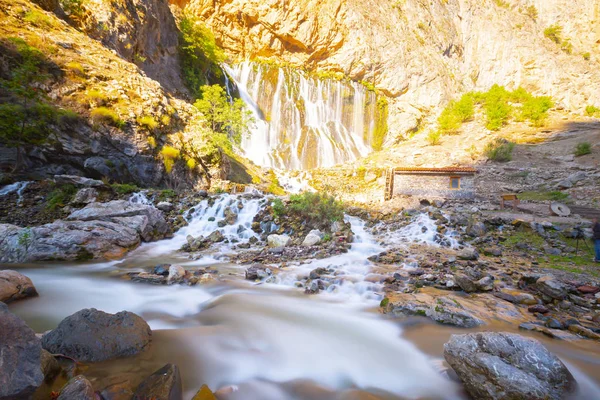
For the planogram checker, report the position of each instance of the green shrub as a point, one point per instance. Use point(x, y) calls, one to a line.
point(278, 207)
point(586, 56)
point(147, 122)
point(582, 149)
point(316, 207)
point(567, 46)
point(39, 19)
point(535, 109)
point(499, 150)
point(166, 194)
point(105, 115)
point(592, 111)
point(60, 196)
point(554, 33)
point(124, 188)
point(434, 138)
point(532, 12)
point(456, 113)
point(169, 154)
point(200, 55)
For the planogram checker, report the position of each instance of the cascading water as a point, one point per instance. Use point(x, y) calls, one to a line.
point(17, 187)
point(303, 122)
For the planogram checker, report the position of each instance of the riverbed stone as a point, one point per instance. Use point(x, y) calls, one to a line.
point(507, 366)
point(516, 296)
point(20, 357)
point(164, 384)
point(278, 240)
point(50, 367)
point(15, 286)
point(176, 274)
point(552, 287)
point(313, 238)
point(78, 388)
point(93, 335)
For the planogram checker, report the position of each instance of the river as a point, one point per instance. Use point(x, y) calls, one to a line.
point(270, 340)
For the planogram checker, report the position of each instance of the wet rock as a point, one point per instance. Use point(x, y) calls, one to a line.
point(165, 206)
point(161, 269)
point(517, 297)
point(147, 220)
point(499, 366)
point(553, 323)
point(92, 335)
point(146, 277)
point(176, 274)
point(444, 311)
point(469, 285)
point(215, 237)
point(552, 287)
point(585, 332)
point(78, 388)
point(15, 286)
point(552, 333)
point(257, 271)
point(85, 196)
point(230, 216)
point(204, 394)
point(313, 238)
point(117, 391)
point(253, 240)
point(20, 357)
point(50, 367)
point(164, 384)
point(278, 240)
point(317, 272)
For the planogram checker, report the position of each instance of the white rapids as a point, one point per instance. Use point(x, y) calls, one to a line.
point(17, 187)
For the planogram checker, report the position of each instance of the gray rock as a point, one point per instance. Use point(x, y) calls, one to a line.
point(443, 311)
point(507, 366)
point(564, 184)
point(20, 357)
point(470, 285)
point(176, 274)
point(85, 196)
point(577, 177)
point(257, 271)
point(15, 286)
point(165, 206)
point(313, 238)
point(552, 287)
point(468, 254)
point(50, 367)
point(78, 388)
point(147, 220)
point(146, 277)
point(476, 229)
point(164, 384)
point(92, 335)
point(516, 296)
point(66, 240)
point(230, 216)
point(77, 181)
point(278, 240)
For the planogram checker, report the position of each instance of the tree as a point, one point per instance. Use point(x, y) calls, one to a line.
point(230, 118)
point(24, 120)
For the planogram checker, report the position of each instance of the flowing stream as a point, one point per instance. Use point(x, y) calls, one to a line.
point(270, 340)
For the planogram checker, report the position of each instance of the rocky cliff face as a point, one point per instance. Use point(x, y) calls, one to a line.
point(423, 53)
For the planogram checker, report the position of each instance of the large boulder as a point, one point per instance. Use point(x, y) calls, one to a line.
point(164, 384)
point(66, 240)
point(552, 287)
point(147, 220)
point(78, 388)
point(313, 238)
point(20, 357)
point(15, 286)
point(507, 366)
point(278, 240)
point(92, 335)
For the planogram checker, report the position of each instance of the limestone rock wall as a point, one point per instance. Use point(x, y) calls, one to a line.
point(422, 53)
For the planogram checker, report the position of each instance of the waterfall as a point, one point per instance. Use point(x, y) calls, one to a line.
point(303, 122)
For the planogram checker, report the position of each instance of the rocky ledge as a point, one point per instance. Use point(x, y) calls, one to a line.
point(97, 231)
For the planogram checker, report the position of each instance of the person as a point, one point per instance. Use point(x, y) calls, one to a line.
point(596, 229)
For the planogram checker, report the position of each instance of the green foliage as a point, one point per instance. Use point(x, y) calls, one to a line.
point(224, 117)
point(592, 111)
point(200, 54)
point(105, 115)
point(278, 207)
point(499, 150)
point(456, 113)
point(586, 56)
point(169, 155)
point(25, 239)
point(502, 3)
point(39, 19)
point(317, 207)
point(384, 302)
point(434, 138)
point(535, 109)
point(73, 8)
point(532, 12)
point(567, 46)
point(124, 188)
point(554, 33)
point(166, 194)
point(147, 122)
point(543, 196)
point(274, 186)
point(582, 149)
point(381, 124)
point(60, 196)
